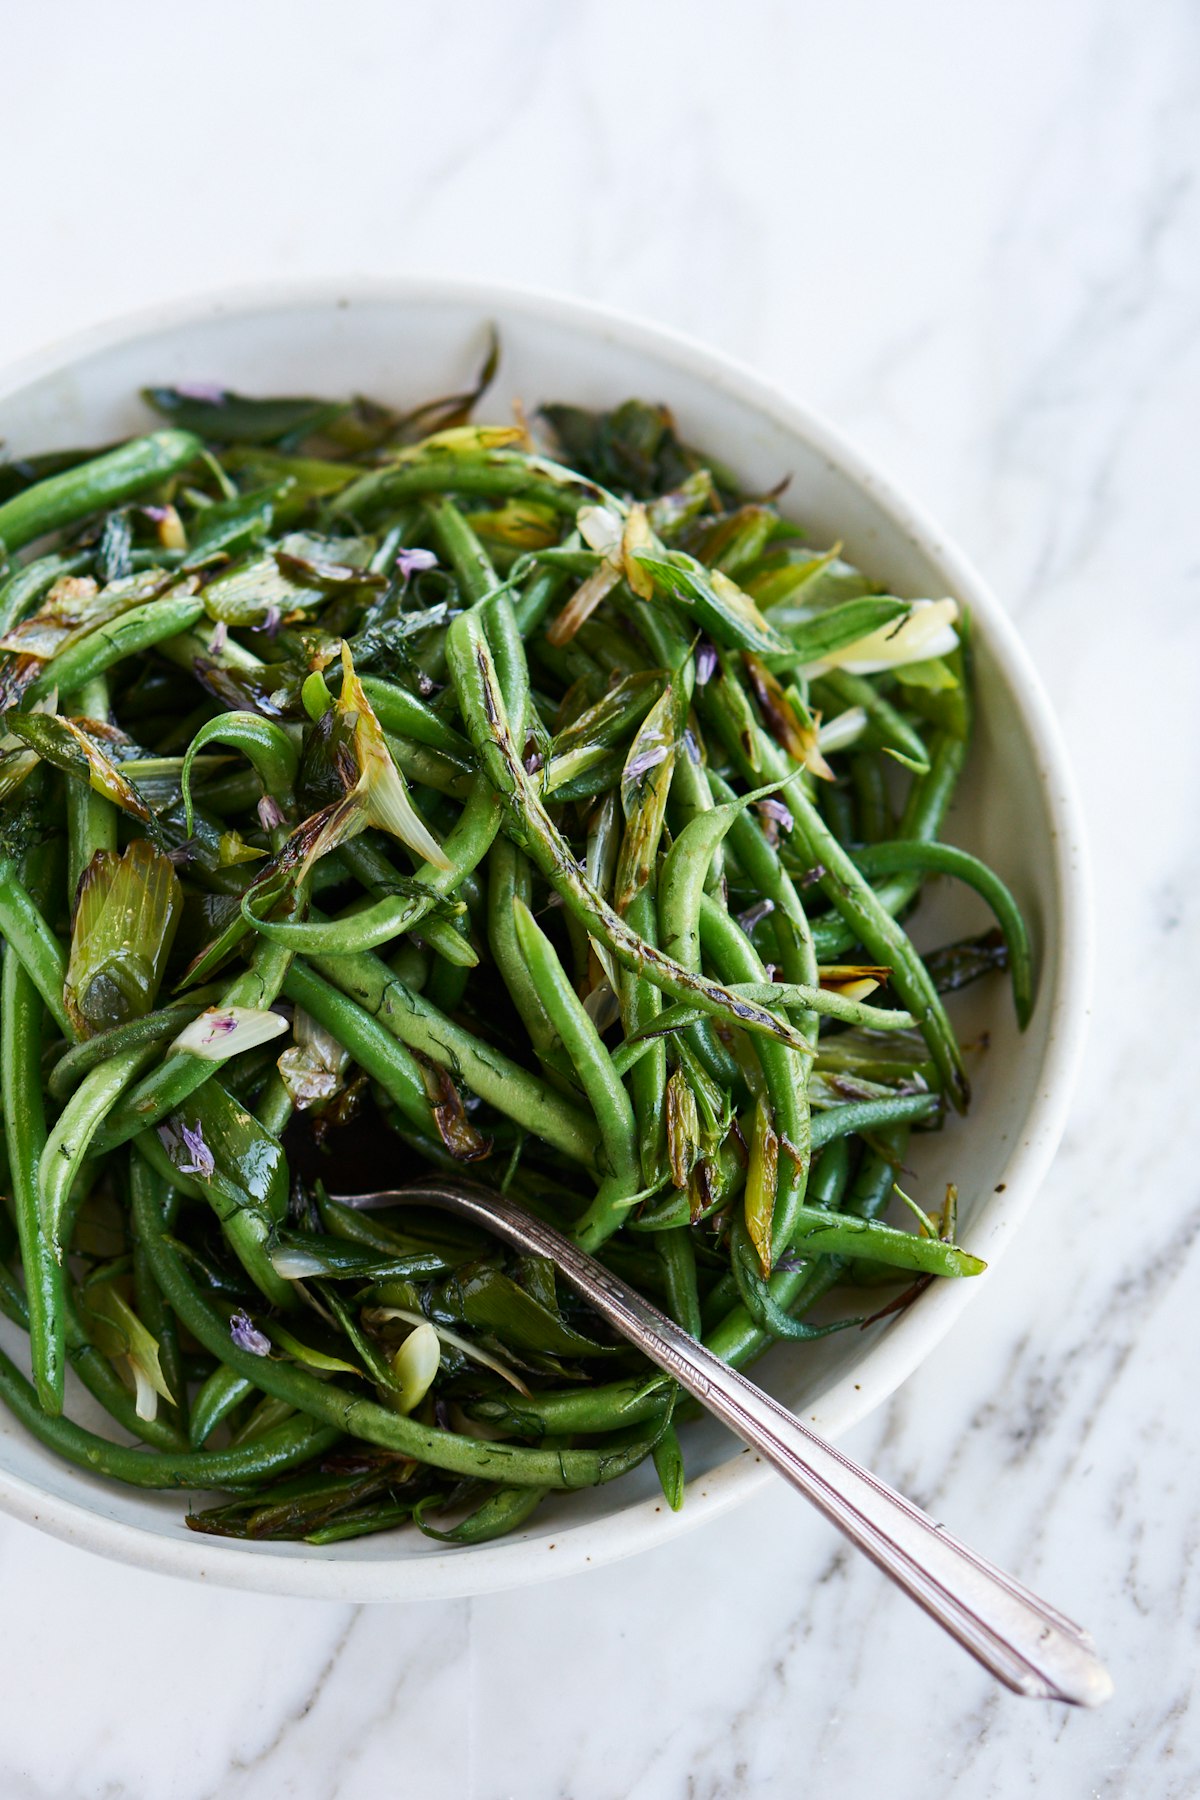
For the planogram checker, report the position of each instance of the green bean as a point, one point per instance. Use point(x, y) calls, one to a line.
point(365, 929)
point(610, 1406)
point(400, 712)
point(378, 876)
point(543, 593)
point(683, 879)
point(618, 1161)
point(870, 792)
point(942, 859)
point(91, 818)
point(497, 472)
point(641, 1004)
point(274, 1107)
point(423, 766)
point(158, 1319)
point(824, 1233)
point(138, 629)
point(31, 941)
point(462, 549)
point(503, 1511)
point(220, 1395)
point(868, 1198)
point(72, 1135)
point(118, 475)
point(862, 1116)
point(835, 804)
point(783, 995)
point(265, 1418)
point(268, 747)
point(25, 1128)
point(678, 1256)
point(510, 879)
point(503, 1083)
point(756, 1296)
point(290, 1446)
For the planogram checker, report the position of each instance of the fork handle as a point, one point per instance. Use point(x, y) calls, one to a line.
point(1025, 1643)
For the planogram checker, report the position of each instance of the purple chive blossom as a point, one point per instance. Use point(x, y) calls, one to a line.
point(156, 514)
point(220, 633)
point(706, 664)
point(202, 1163)
point(811, 876)
point(207, 392)
point(246, 1335)
point(272, 621)
point(220, 1025)
point(270, 813)
point(533, 759)
point(412, 562)
point(691, 746)
point(791, 1264)
point(645, 760)
point(756, 914)
point(776, 810)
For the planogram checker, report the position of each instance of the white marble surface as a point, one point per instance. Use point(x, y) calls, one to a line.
point(970, 235)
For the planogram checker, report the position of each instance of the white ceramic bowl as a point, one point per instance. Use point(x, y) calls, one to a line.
point(405, 341)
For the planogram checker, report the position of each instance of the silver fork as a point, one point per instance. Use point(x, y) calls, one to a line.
point(1025, 1643)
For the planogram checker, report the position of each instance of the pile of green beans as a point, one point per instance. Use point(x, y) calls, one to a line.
point(382, 794)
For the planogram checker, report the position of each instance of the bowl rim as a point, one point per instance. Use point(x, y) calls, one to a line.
point(508, 1563)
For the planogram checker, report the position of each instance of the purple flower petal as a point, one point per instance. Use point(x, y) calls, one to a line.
point(246, 1335)
point(756, 914)
point(270, 813)
point(202, 1163)
point(775, 809)
point(791, 1264)
point(411, 562)
point(220, 633)
point(644, 761)
point(706, 664)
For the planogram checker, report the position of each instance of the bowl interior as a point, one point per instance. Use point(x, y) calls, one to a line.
point(1013, 807)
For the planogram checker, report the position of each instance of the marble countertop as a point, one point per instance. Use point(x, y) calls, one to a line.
point(970, 235)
